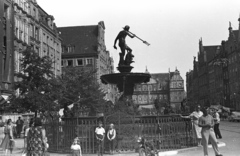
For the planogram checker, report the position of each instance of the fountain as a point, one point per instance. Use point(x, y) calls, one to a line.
point(125, 80)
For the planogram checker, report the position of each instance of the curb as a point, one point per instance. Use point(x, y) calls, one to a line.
point(220, 144)
point(175, 152)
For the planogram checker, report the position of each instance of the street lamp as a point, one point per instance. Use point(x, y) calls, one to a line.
point(234, 104)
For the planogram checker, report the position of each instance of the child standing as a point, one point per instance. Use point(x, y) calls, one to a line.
point(111, 135)
point(100, 134)
point(76, 148)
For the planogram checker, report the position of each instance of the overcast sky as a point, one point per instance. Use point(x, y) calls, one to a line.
point(172, 27)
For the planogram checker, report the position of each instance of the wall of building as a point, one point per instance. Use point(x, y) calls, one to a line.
point(219, 75)
point(50, 40)
point(6, 47)
point(177, 93)
point(88, 50)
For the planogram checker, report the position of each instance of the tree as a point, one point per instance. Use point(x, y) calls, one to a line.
point(80, 87)
point(34, 83)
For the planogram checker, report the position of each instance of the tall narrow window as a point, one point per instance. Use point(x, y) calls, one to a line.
point(79, 62)
point(34, 13)
point(36, 33)
point(69, 62)
point(70, 49)
point(31, 30)
point(89, 61)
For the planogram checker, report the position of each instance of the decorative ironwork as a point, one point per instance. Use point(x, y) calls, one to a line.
point(164, 132)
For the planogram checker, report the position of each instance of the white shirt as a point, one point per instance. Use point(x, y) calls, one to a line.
point(217, 118)
point(100, 130)
point(47, 146)
point(195, 116)
point(26, 132)
point(75, 147)
point(111, 132)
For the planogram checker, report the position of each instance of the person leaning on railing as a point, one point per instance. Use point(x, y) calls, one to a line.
point(196, 129)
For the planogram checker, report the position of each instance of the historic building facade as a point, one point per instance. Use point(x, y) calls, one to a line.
point(204, 82)
point(216, 74)
point(177, 92)
point(6, 48)
point(167, 88)
point(84, 47)
point(24, 24)
point(50, 41)
point(34, 27)
point(22, 17)
point(232, 48)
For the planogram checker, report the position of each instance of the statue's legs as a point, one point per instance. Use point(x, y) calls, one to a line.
point(121, 60)
point(122, 54)
point(129, 58)
point(128, 49)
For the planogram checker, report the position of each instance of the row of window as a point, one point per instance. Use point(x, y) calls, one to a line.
point(176, 98)
point(30, 9)
point(150, 87)
point(233, 58)
point(49, 41)
point(21, 30)
point(144, 99)
point(23, 4)
point(176, 84)
point(77, 62)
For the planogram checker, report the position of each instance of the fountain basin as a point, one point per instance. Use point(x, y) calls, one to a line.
point(125, 81)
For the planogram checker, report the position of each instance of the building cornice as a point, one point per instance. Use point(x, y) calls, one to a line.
point(79, 55)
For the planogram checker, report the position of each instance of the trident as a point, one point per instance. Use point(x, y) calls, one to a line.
point(145, 42)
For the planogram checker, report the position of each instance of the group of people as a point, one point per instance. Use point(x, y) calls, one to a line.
point(100, 136)
point(35, 140)
point(206, 128)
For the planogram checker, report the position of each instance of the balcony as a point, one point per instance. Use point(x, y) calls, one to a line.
point(32, 39)
point(37, 41)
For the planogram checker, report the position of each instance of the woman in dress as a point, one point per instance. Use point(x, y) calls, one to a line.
point(196, 129)
point(7, 143)
point(35, 139)
point(31, 124)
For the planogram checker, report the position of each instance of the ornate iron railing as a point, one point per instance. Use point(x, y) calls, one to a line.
point(165, 132)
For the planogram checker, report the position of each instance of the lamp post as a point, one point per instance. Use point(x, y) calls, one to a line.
point(234, 104)
point(78, 104)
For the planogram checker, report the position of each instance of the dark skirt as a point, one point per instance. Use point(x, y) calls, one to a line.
point(75, 153)
point(5, 142)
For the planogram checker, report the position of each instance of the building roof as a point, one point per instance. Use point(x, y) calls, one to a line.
point(211, 51)
point(235, 34)
point(152, 81)
point(82, 38)
point(160, 77)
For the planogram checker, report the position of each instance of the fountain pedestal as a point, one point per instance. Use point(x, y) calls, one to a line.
point(125, 80)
